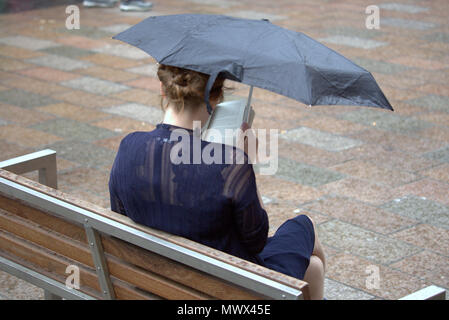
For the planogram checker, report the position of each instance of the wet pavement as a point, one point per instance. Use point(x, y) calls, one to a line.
point(375, 182)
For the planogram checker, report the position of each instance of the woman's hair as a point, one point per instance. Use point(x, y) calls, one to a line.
point(185, 88)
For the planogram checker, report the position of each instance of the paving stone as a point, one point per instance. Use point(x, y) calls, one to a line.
point(145, 97)
point(26, 137)
point(319, 139)
point(18, 53)
point(370, 245)
point(423, 63)
point(334, 290)
point(2, 122)
point(426, 265)
point(28, 42)
point(407, 24)
point(365, 170)
point(398, 160)
point(420, 209)
point(311, 155)
point(379, 66)
point(247, 14)
point(74, 130)
point(360, 214)
point(218, 3)
point(10, 149)
point(109, 74)
point(434, 88)
point(432, 102)
point(427, 237)
point(385, 120)
point(87, 154)
point(17, 115)
point(438, 173)
point(112, 61)
point(8, 64)
point(85, 99)
point(24, 99)
point(66, 51)
point(59, 62)
point(283, 190)
point(441, 155)
point(14, 288)
point(146, 70)
point(138, 112)
point(94, 85)
point(48, 74)
point(92, 180)
point(147, 83)
point(354, 32)
point(124, 51)
point(110, 143)
point(403, 7)
point(353, 42)
point(359, 273)
point(81, 42)
point(73, 112)
point(116, 28)
point(391, 141)
point(86, 31)
point(427, 188)
point(305, 174)
point(123, 125)
point(361, 190)
point(437, 37)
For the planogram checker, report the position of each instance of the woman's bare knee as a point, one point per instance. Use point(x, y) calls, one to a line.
point(317, 248)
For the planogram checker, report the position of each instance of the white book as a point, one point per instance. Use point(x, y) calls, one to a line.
point(226, 117)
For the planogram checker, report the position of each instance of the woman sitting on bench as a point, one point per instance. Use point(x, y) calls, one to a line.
point(215, 204)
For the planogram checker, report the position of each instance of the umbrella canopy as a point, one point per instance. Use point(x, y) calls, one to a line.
point(257, 53)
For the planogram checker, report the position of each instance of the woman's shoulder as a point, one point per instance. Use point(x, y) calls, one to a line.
point(134, 138)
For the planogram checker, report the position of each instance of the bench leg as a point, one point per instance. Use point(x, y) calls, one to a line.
point(50, 296)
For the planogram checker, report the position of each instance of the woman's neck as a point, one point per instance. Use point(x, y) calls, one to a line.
point(186, 117)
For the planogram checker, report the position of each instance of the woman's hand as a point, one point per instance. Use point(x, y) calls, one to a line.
point(250, 142)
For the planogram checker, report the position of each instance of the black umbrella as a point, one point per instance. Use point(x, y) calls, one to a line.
point(257, 53)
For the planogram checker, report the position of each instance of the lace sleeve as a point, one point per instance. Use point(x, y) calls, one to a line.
point(250, 218)
point(116, 203)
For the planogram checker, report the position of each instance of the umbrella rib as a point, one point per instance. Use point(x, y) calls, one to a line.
point(303, 61)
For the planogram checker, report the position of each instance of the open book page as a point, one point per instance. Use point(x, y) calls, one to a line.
point(227, 116)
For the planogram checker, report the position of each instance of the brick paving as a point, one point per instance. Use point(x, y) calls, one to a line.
point(375, 182)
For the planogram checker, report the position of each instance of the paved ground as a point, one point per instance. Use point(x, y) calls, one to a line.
point(375, 182)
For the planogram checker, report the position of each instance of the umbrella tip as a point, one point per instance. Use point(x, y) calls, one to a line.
point(265, 19)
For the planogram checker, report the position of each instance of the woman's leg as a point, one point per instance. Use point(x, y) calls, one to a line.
point(314, 275)
point(315, 278)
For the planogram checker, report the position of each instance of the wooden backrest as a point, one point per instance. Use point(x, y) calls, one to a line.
point(45, 230)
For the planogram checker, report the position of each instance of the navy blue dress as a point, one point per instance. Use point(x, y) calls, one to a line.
point(158, 180)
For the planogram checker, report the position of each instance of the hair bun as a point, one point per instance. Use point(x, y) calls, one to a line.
point(181, 79)
point(186, 87)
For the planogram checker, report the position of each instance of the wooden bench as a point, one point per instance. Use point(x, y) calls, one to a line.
point(44, 231)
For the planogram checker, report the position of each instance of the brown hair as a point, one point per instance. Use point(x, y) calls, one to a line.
point(185, 88)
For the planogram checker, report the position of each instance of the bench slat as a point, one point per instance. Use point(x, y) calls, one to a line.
point(54, 265)
point(81, 253)
point(176, 271)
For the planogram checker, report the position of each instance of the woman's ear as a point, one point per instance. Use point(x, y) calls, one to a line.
point(162, 89)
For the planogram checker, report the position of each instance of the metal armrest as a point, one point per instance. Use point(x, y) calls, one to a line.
point(44, 161)
point(427, 293)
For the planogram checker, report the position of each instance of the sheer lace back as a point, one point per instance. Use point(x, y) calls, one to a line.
point(214, 204)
